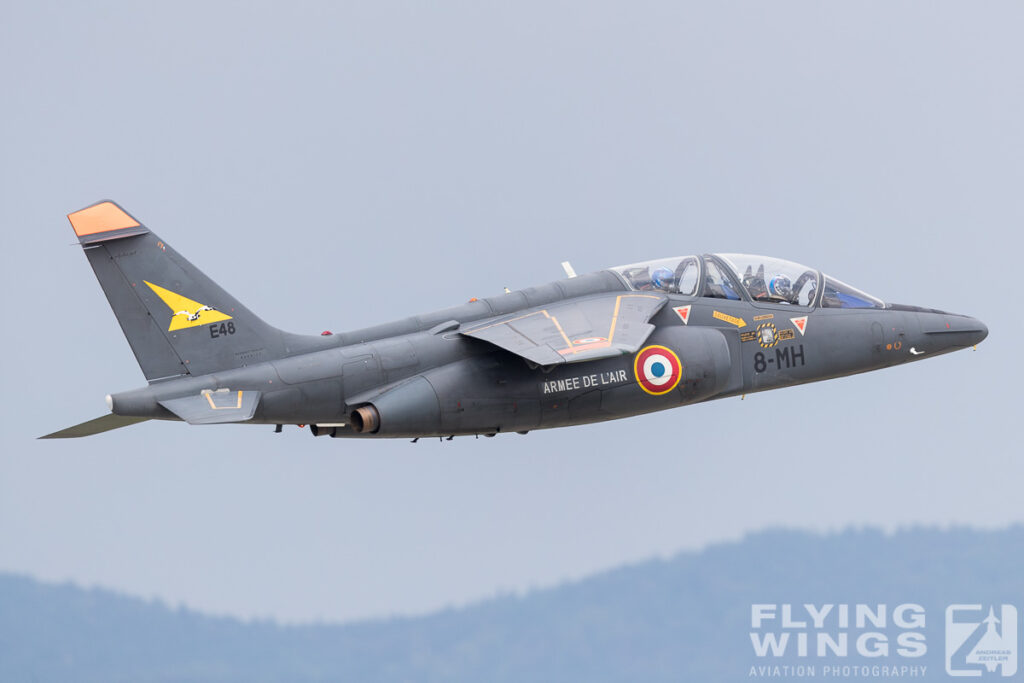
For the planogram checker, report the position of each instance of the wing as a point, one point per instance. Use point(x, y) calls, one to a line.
point(574, 330)
point(97, 426)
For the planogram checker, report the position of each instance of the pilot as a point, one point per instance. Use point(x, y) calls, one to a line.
point(779, 287)
point(663, 278)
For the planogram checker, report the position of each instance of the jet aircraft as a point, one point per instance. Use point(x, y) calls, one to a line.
point(610, 344)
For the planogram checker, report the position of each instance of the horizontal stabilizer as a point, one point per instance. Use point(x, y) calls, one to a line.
point(215, 407)
point(573, 331)
point(97, 426)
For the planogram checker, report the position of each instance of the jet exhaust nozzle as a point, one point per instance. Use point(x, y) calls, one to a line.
point(365, 420)
point(322, 430)
point(409, 409)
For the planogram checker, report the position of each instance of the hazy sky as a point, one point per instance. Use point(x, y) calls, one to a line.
point(337, 165)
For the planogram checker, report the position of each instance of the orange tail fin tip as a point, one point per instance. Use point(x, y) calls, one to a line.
point(102, 217)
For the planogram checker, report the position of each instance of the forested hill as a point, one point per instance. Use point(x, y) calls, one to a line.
point(687, 618)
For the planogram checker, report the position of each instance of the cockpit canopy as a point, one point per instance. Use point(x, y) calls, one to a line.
point(762, 279)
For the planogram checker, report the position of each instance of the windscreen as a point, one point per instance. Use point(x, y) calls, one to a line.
point(841, 295)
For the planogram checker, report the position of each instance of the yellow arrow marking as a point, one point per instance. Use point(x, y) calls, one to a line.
point(738, 322)
point(185, 312)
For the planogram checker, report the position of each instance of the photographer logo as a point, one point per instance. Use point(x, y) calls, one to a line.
point(981, 640)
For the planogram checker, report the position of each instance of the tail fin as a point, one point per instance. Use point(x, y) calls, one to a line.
point(177, 320)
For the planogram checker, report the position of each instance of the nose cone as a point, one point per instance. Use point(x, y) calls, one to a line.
point(941, 332)
point(980, 332)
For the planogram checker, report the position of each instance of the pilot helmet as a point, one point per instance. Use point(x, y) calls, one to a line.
point(662, 278)
point(780, 286)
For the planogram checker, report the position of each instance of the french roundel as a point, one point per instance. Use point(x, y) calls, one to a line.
point(657, 370)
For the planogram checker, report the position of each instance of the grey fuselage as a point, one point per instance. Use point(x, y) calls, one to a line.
point(420, 377)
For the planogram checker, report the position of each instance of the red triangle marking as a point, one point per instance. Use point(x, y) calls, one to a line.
point(684, 313)
point(800, 324)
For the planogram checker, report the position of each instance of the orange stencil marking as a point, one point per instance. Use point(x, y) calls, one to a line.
point(102, 217)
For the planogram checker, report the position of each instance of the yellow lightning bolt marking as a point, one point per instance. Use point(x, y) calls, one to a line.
point(185, 312)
